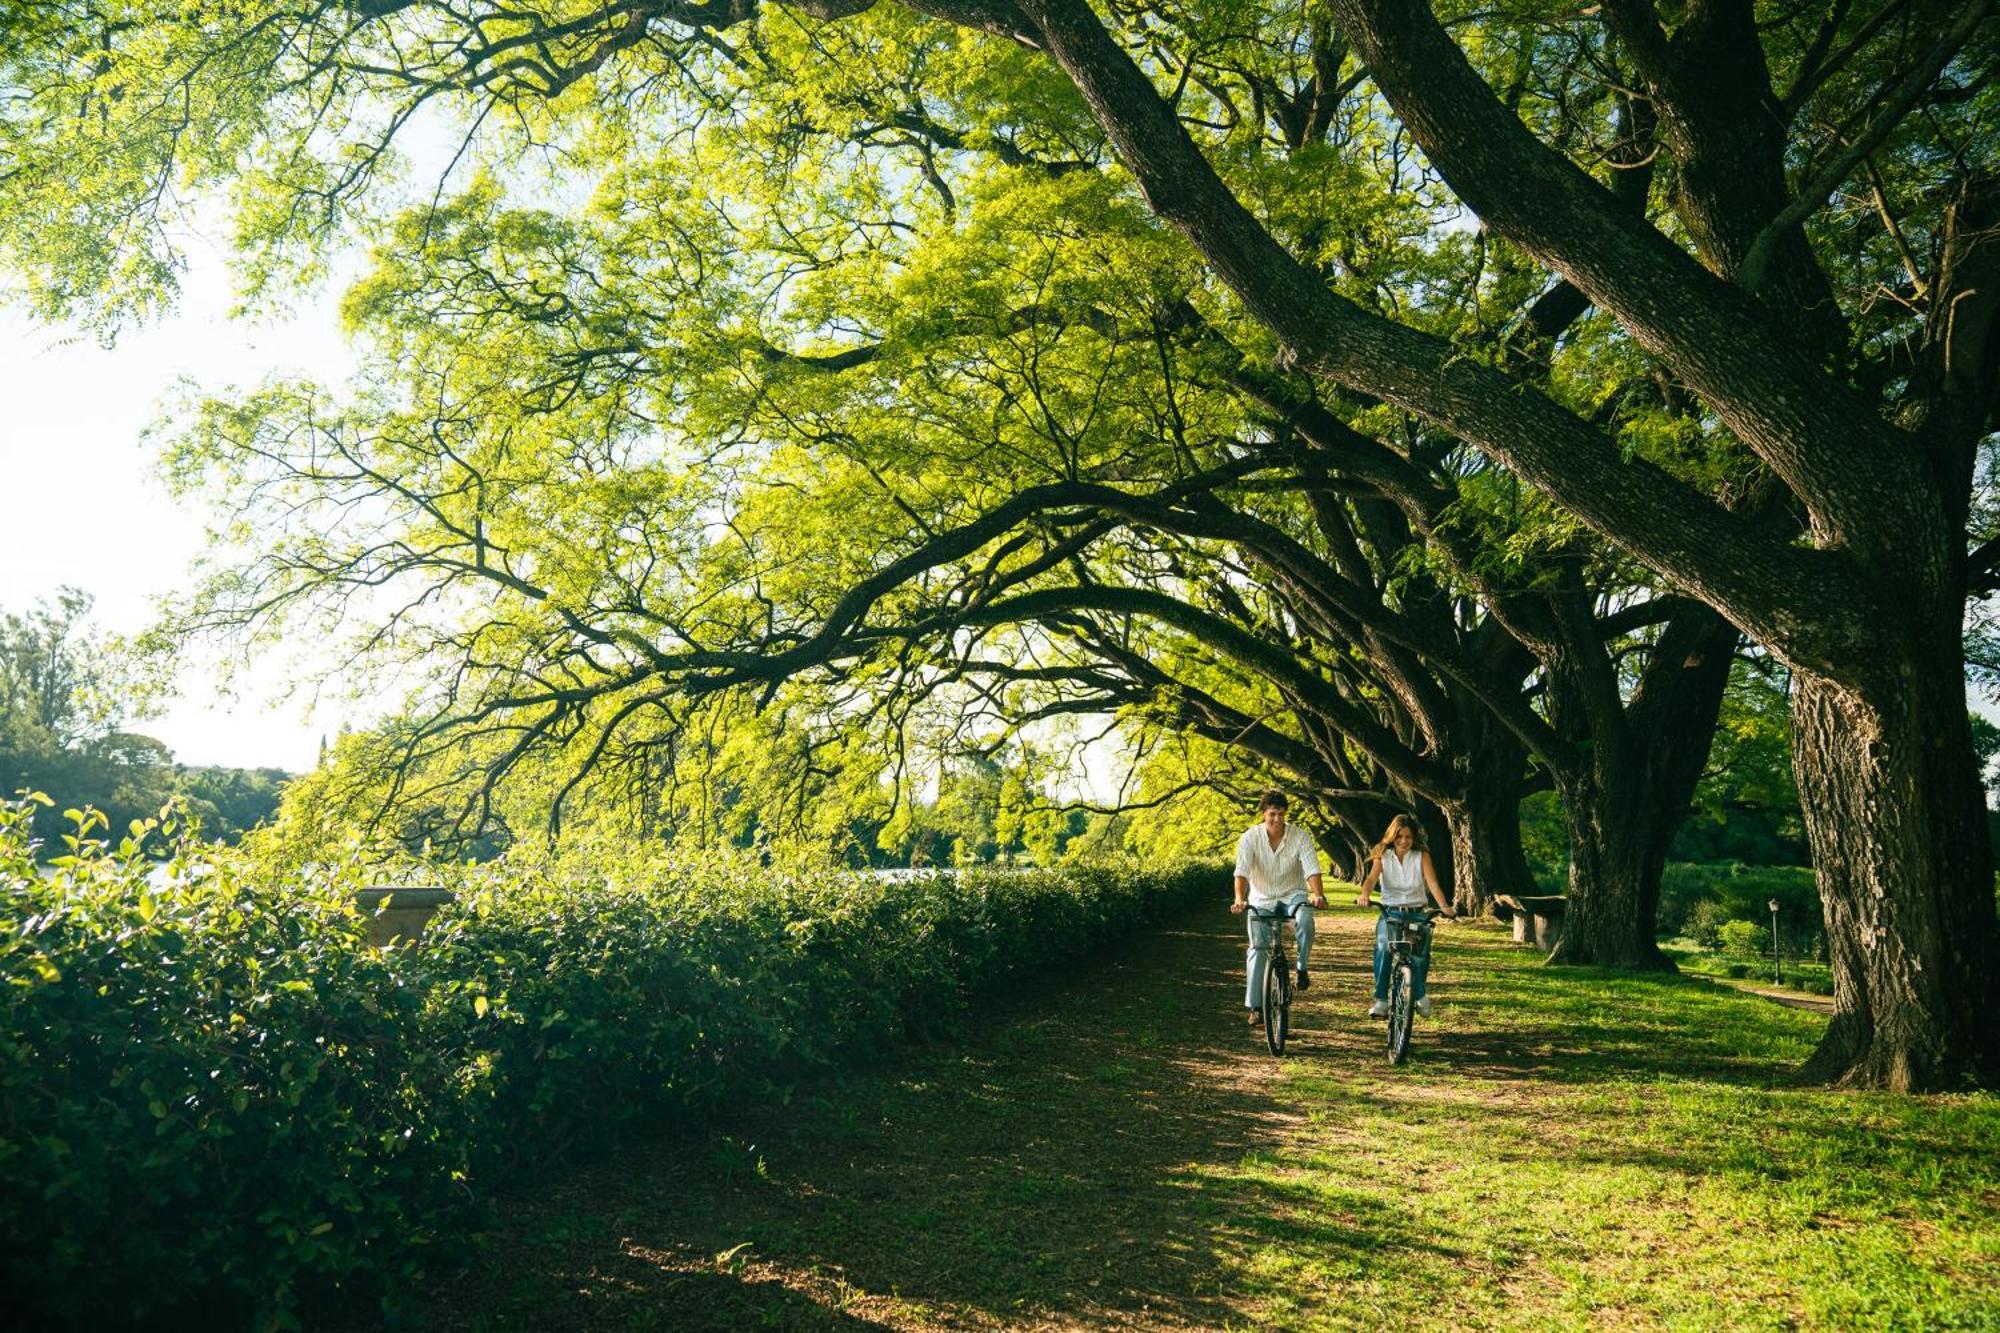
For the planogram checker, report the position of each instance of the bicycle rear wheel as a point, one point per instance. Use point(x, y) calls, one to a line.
point(1277, 1003)
point(1401, 1004)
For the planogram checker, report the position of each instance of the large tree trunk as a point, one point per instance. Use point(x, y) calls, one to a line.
point(1625, 803)
point(1486, 854)
point(1617, 847)
point(1898, 830)
point(1485, 826)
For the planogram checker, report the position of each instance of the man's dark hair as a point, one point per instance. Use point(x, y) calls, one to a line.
point(1272, 800)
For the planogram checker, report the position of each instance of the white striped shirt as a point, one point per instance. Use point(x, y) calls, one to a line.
point(1275, 873)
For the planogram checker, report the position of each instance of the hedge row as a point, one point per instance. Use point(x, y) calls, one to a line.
point(213, 1091)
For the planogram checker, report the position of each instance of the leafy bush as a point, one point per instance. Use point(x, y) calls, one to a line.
point(1738, 970)
point(1740, 892)
point(1744, 937)
point(211, 1089)
point(1704, 923)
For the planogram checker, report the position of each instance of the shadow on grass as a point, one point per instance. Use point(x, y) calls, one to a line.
point(1113, 1152)
point(1062, 1165)
point(632, 1292)
point(1589, 1025)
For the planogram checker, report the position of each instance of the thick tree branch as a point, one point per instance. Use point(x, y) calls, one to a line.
point(1777, 399)
point(1686, 537)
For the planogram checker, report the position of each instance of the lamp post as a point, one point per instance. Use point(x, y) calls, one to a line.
point(1777, 968)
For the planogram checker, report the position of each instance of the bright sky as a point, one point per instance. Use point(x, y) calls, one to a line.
point(82, 502)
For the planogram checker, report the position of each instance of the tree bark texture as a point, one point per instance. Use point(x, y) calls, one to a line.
point(1614, 871)
point(1897, 823)
point(1484, 825)
point(1640, 763)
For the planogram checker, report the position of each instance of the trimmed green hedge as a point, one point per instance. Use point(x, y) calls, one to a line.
point(214, 1091)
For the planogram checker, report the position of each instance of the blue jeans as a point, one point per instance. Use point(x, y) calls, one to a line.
point(1420, 957)
point(1263, 933)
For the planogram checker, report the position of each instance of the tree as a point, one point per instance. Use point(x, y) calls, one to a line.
point(1817, 498)
point(67, 694)
point(1403, 711)
point(1884, 747)
point(52, 676)
point(1747, 805)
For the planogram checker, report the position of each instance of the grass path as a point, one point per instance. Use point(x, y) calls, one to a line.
point(1115, 1152)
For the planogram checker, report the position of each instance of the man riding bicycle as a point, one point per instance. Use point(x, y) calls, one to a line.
point(1403, 867)
point(1276, 865)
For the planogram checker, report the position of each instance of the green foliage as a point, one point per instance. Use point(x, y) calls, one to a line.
point(1746, 806)
point(1544, 840)
point(66, 693)
point(1741, 892)
point(752, 780)
point(212, 1090)
point(1744, 937)
point(1703, 923)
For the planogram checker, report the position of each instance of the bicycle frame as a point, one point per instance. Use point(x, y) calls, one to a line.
point(1277, 999)
point(1410, 933)
point(1409, 940)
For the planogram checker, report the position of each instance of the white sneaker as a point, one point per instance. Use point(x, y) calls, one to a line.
point(1424, 1006)
point(1379, 1009)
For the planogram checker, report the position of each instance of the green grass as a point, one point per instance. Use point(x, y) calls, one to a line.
point(1564, 1149)
point(1800, 975)
point(1579, 1148)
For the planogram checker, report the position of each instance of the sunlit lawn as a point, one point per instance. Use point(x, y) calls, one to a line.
point(1585, 1148)
point(1564, 1149)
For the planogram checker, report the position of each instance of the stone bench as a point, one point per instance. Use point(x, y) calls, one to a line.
point(1537, 918)
point(398, 915)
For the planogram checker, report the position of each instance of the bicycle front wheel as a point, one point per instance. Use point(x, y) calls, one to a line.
point(1276, 1003)
point(1402, 984)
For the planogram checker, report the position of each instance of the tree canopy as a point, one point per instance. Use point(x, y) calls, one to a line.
point(1378, 387)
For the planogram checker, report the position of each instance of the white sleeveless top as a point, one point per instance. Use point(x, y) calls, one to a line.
point(1402, 878)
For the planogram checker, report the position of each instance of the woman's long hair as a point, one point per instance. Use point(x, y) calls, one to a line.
point(1397, 825)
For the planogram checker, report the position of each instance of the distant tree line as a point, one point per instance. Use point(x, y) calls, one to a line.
point(66, 698)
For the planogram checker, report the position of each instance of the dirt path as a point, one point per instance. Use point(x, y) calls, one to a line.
point(1791, 999)
point(1048, 1173)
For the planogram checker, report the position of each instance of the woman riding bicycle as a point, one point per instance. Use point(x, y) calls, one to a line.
point(1404, 869)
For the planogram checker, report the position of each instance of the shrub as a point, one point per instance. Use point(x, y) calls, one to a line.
point(1704, 923)
point(1743, 937)
point(211, 1090)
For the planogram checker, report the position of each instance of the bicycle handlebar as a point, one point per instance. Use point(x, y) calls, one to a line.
point(1282, 912)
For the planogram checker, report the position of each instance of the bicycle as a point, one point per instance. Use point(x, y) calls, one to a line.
point(1276, 1002)
point(1409, 940)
